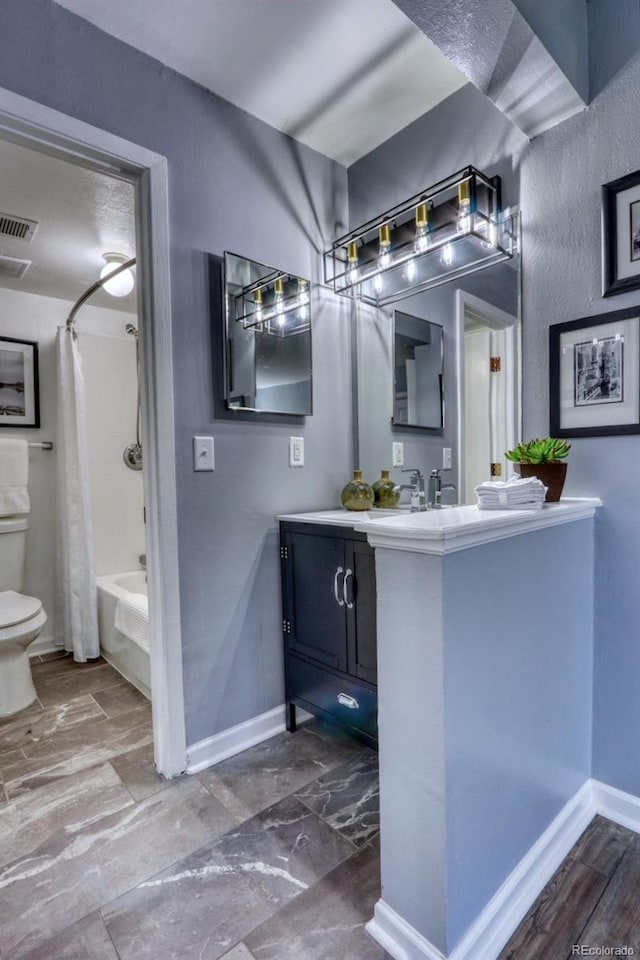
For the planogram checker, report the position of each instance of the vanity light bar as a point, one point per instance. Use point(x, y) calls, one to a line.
point(445, 232)
point(277, 304)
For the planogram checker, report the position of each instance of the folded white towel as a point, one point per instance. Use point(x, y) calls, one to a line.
point(14, 477)
point(515, 494)
point(132, 618)
point(530, 505)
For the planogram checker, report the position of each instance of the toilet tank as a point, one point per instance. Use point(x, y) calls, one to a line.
point(13, 545)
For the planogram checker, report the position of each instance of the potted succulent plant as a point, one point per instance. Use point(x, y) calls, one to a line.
point(543, 458)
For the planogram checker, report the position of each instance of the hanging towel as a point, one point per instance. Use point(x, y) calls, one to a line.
point(132, 618)
point(14, 477)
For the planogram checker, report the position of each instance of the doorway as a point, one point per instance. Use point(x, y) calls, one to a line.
point(32, 125)
point(488, 377)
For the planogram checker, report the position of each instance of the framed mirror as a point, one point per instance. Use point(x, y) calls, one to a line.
point(417, 372)
point(268, 339)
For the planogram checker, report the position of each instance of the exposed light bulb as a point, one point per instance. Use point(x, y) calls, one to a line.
point(352, 263)
point(463, 224)
point(447, 256)
point(123, 283)
point(303, 292)
point(279, 297)
point(258, 299)
point(422, 242)
point(384, 237)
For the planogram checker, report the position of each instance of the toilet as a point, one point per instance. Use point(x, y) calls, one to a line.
point(21, 619)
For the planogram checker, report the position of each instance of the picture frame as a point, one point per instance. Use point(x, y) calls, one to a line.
point(621, 235)
point(594, 375)
point(19, 383)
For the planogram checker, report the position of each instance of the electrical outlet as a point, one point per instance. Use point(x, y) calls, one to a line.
point(446, 458)
point(203, 458)
point(296, 451)
point(397, 458)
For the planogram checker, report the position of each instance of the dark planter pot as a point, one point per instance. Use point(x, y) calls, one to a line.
point(551, 474)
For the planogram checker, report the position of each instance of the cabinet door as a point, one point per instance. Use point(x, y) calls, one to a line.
point(360, 591)
point(314, 605)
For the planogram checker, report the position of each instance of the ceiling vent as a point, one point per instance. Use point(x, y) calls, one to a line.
point(17, 227)
point(12, 268)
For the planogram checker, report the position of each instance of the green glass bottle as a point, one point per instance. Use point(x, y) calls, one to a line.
point(357, 495)
point(386, 493)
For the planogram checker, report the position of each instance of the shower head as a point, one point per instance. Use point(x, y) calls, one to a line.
point(131, 329)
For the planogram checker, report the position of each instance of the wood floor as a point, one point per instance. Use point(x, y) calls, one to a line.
point(592, 901)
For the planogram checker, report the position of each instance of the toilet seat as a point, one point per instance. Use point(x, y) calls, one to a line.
point(17, 608)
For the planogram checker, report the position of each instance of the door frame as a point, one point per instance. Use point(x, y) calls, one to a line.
point(33, 125)
point(496, 319)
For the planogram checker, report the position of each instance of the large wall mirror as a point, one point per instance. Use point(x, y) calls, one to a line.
point(268, 339)
point(417, 372)
point(468, 322)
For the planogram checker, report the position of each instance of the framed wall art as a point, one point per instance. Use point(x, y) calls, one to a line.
point(19, 399)
point(621, 234)
point(594, 375)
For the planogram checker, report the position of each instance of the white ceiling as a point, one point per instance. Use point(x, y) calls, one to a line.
point(339, 75)
point(80, 214)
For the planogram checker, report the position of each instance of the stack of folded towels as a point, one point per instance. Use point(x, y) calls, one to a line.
point(515, 494)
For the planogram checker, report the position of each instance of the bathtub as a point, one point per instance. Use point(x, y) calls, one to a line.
point(130, 657)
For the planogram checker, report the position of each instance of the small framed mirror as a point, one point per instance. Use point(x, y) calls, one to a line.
point(268, 339)
point(417, 372)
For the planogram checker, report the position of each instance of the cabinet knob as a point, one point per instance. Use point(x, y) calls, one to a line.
point(346, 701)
point(339, 599)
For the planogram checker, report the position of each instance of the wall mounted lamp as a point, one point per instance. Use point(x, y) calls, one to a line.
point(447, 231)
point(277, 304)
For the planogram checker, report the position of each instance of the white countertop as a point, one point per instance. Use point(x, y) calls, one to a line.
point(450, 529)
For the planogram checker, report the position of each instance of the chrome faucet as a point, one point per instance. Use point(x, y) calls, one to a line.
point(435, 488)
point(418, 499)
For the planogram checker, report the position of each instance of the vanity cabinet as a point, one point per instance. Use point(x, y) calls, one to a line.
point(329, 625)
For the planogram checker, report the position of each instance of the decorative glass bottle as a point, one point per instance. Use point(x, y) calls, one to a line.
point(357, 495)
point(386, 493)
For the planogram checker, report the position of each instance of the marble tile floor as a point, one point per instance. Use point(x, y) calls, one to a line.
point(271, 854)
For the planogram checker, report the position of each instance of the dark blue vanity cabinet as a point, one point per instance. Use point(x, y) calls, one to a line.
point(329, 626)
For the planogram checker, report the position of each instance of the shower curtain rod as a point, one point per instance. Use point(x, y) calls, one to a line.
point(93, 288)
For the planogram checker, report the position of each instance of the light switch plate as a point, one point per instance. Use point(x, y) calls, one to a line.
point(398, 454)
point(203, 457)
point(446, 458)
point(296, 451)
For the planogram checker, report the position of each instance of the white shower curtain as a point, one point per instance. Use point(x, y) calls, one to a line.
point(76, 608)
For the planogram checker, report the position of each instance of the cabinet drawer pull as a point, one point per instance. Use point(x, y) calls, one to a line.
point(349, 603)
point(339, 600)
point(346, 701)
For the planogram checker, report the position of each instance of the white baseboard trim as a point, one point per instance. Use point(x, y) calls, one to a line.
point(220, 746)
point(488, 934)
point(494, 925)
point(398, 937)
point(616, 805)
point(43, 645)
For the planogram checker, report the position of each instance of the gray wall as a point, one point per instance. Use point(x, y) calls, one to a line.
point(235, 184)
point(562, 28)
point(561, 181)
point(464, 129)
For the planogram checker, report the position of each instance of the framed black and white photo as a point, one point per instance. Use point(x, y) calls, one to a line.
point(621, 234)
point(19, 400)
point(594, 375)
